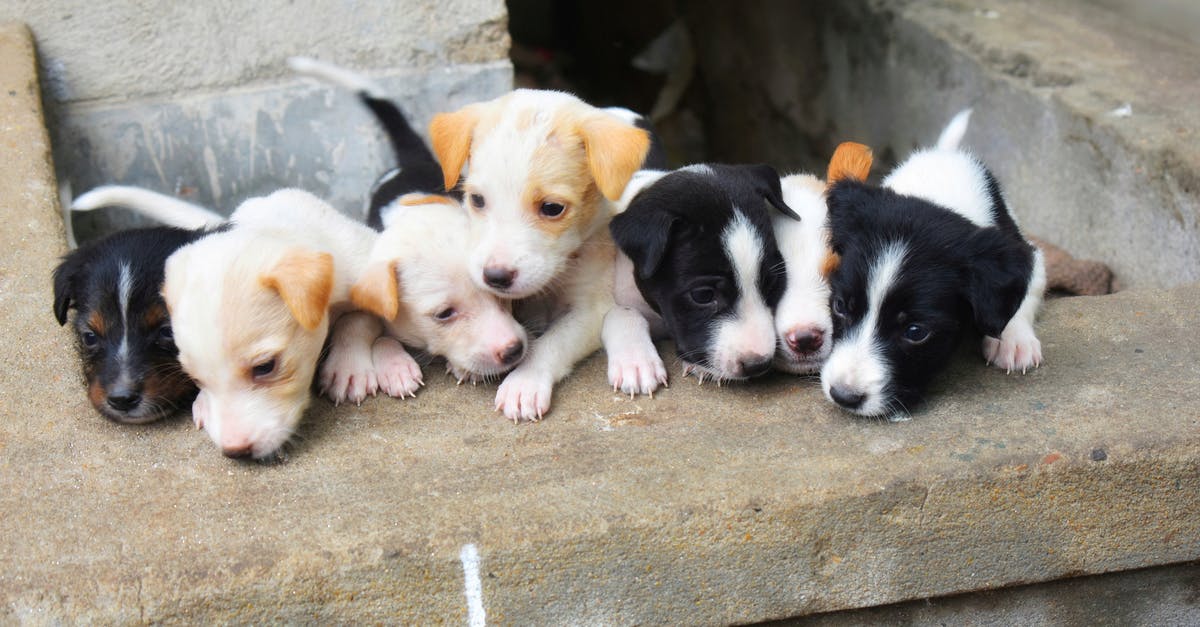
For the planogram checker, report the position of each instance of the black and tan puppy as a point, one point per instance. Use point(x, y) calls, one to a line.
point(121, 323)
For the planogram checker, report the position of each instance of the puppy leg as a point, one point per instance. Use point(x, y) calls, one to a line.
point(634, 366)
point(399, 374)
point(1018, 347)
point(348, 372)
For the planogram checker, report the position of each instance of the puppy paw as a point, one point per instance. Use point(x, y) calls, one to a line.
point(1017, 349)
point(524, 395)
point(348, 375)
point(636, 370)
point(399, 374)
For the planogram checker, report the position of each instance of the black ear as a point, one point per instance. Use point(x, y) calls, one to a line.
point(766, 183)
point(998, 271)
point(851, 210)
point(643, 236)
point(64, 284)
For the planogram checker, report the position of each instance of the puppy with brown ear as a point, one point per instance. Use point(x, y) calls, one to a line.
point(251, 307)
point(542, 171)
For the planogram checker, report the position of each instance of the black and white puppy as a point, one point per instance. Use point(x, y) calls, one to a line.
point(121, 323)
point(698, 247)
point(931, 254)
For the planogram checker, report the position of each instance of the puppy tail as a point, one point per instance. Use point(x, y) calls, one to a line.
point(851, 160)
point(410, 149)
point(953, 134)
point(160, 207)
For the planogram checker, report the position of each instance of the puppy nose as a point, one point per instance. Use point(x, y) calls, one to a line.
point(238, 451)
point(511, 354)
point(756, 366)
point(847, 398)
point(805, 340)
point(499, 277)
point(124, 399)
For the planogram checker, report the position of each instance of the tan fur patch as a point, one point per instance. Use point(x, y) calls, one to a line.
point(558, 172)
point(155, 315)
point(378, 291)
point(830, 263)
point(451, 134)
point(97, 323)
point(413, 200)
point(851, 160)
point(615, 150)
point(304, 280)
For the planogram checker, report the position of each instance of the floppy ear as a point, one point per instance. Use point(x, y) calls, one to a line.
point(998, 269)
point(64, 284)
point(450, 134)
point(378, 290)
point(850, 214)
point(766, 183)
point(615, 150)
point(643, 237)
point(304, 280)
point(851, 160)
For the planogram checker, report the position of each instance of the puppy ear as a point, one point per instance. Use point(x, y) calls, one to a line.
point(450, 134)
point(643, 237)
point(615, 150)
point(851, 160)
point(64, 285)
point(378, 290)
point(304, 280)
point(766, 183)
point(998, 269)
point(850, 212)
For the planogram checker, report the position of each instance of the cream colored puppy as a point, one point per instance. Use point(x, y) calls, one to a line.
point(542, 171)
point(251, 306)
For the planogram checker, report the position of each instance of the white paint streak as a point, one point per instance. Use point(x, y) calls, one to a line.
point(473, 586)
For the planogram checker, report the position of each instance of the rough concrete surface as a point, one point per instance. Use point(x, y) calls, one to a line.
point(703, 505)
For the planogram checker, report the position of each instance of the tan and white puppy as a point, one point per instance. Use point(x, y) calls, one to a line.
point(418, 281)
point(542, 171)
point(251, 307)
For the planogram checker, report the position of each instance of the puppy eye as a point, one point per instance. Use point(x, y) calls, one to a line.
point(916, 334)
point(446, 314)
point(165, 334)
point(477, 201)
point(263, 369)
point(90, 339)
point(839, 307)
point(703, 295)
point(552, 209)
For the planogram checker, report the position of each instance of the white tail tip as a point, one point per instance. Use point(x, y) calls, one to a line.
point(160, 207)
point(953, 134)
point(335, 75)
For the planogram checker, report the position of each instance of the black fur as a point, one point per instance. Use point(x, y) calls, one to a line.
point(672, 232)
point(956, 277)
point(87, 281)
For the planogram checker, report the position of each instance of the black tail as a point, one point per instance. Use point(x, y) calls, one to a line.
point(416, 171)
point(409, 148)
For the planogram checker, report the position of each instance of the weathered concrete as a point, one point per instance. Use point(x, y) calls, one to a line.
point(196, 98)
point(1048, 80)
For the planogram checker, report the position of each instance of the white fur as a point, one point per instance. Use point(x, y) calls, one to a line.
point(330, 73)
point(804, 306)
point(856, 364)
point(749, 335)
point(161, 207)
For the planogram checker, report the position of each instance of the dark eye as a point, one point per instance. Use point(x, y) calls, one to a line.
point(166, 335)
point(916, 334)
point(446, 314)
point(552, 209)
point(263, 369)
point(477, 201)
point(703, 295)
point(839, 307)
point(90, 339)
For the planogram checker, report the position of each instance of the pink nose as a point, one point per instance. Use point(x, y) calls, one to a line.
point(236, 446)
point(805, 340)
point(510, 354)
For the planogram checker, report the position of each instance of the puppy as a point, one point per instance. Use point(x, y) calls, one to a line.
point(803, 323)
point(416, 278)
point(251, 307)
point(931, 254)
point(543, 171)
point(700, 249)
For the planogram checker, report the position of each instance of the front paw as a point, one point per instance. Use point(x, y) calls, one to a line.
point(1017, 349)
point(524, 395)
point(399, 374)
point(636, 370)
point(348, 375)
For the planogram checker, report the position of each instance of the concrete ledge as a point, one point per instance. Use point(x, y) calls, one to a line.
point(703, 505)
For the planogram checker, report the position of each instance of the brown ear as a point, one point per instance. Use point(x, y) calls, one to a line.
point(615, 150)
point(377, 290)
point(851, 160)
point(304, 280)
point(451, 134)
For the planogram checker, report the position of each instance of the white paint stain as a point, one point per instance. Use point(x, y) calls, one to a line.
point(473, 586)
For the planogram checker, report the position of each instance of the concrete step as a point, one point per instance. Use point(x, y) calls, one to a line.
point(703, 505)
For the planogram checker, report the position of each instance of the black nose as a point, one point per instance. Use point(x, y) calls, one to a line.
point(499, 278)
point(238, 452)
point(512, 353)
point(847, 398)
point(756, 368)
point(805, 341)
point(124, 400)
